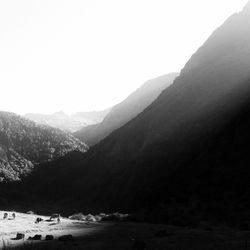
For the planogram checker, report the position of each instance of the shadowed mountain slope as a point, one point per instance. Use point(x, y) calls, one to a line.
point(190, 140)
point(126, 110)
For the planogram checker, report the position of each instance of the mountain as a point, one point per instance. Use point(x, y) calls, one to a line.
point(126, 110)
point(24, 144)
point(66, 122)
point(185, 154)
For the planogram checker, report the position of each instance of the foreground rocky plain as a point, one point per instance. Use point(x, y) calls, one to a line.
point(25, 224)
point(117, 235)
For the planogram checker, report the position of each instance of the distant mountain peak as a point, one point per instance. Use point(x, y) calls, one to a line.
point(67, 122)
point(60, 113)
point(247, 7)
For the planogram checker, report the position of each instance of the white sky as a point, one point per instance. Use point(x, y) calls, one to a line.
point(80, 55)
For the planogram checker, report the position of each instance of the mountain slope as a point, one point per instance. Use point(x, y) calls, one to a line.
point(126, 110)
point(69, 123)
point(23, 144)
point(170, 149)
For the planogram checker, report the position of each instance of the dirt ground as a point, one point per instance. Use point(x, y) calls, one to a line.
point(118, 236)
point(25, 223)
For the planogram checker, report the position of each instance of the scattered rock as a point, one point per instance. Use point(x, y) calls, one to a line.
point(49, 237)
point(38, 220)
point(20, 236)
point(36, 237)
point(65, 238)
point(100, 217)
point(54, 216)
point(90, 217)
point(78, 216)
point(30, 212)
point(115, 217)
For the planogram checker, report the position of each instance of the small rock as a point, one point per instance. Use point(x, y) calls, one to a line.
point(49, 237)
point(37, 237)
point(20, 236)
point(65, 238)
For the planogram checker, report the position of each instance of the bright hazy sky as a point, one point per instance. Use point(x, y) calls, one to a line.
point(81, 55)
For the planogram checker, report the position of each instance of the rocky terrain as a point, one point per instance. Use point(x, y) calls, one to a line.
point(117, 235)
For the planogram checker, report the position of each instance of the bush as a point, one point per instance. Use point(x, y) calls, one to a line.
point(100, 217)
point(115, 217)
point(78, 216)
point(90, 217)
point(30, 212)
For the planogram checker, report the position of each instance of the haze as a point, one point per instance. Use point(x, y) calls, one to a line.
point(76, 55)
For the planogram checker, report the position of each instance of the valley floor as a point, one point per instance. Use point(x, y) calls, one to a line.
point(118, 236)
point(25, 223)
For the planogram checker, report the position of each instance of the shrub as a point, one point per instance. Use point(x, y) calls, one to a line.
point(30, 212)
point(78, 216)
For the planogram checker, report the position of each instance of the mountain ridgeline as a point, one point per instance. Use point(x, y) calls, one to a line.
point(188, 143)
point(24, 144)
point(69, 123)
point(126, 110)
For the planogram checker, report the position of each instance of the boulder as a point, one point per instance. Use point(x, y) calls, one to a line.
point(49, 237)
point(90, 217)
point(20, 236)
point(65, 238)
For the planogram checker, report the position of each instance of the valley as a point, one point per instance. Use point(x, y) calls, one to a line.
point(119, 235)
point(172, 156)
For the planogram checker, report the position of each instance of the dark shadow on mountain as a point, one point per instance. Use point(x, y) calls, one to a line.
point(184, 159)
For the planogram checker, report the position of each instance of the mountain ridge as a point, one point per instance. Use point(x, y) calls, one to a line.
point(24, 144)
point(126, 110)
point(134, 167)
point(70, 123)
